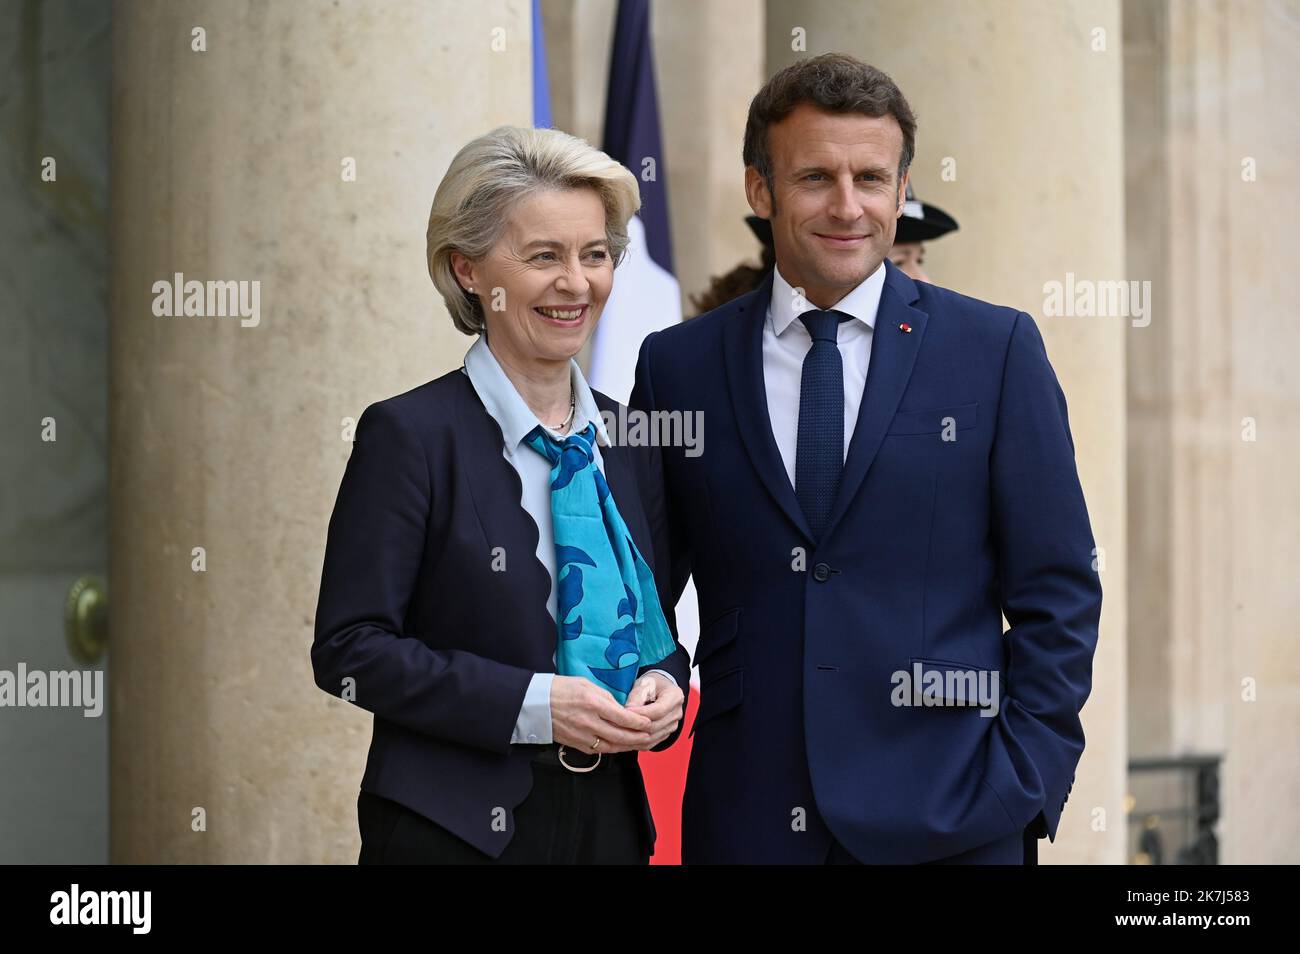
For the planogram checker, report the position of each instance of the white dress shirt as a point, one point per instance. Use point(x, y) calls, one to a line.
point(516, 420)
point(786, 342)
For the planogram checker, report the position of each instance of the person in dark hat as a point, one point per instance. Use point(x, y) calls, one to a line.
point(919, 223)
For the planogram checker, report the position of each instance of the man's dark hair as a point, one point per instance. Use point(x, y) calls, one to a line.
point(836, 83)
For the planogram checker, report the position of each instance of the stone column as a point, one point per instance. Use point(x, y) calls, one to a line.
point(710, 66)
point(1213, 417)
point(233, 163)
point(1020, 138)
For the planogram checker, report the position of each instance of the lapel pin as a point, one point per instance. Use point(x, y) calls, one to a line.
point(905, 327)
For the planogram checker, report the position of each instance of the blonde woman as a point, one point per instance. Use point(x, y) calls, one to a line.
point(489, 588)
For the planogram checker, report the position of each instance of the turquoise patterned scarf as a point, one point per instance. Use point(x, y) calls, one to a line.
point(608, 614)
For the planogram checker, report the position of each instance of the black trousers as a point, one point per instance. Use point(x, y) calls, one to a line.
point(1017, 849)
point(568, 818)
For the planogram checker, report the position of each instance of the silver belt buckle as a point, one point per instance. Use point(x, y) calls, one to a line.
point(573, 768)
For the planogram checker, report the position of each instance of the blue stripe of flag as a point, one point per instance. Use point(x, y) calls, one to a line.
point(632, 122)
point(541, 82)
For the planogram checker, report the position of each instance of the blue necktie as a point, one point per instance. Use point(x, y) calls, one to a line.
point(819, 453)
point(607, 609)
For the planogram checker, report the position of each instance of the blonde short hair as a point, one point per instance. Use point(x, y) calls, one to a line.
point(490, 175)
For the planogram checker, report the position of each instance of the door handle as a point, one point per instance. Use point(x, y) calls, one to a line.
point(85, 620)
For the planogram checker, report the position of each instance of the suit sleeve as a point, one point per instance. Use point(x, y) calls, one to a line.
point(658, 512)
point(676, 547)
point(678, 665)
point(373, 553)
point(1050, 593)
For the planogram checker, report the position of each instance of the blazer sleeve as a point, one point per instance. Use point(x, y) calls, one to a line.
point(679, 663)
point(675, 557)
point(1050, 592)
point(373, 555)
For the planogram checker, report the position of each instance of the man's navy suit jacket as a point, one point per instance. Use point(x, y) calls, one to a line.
point(432, 612)
point(798, 737)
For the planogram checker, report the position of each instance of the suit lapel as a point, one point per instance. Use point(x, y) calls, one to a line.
point(743, 348)
point(893, 355)
point(622, 482)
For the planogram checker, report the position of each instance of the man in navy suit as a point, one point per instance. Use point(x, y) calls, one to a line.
point(887, 470)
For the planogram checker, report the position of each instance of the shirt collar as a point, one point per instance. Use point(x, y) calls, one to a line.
point(503, 402)
point(862, 302)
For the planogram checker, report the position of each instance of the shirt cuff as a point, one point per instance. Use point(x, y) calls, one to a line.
point(533, 727)
point(665, 673)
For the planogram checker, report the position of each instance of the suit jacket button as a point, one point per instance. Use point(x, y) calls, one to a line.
point(821, 573)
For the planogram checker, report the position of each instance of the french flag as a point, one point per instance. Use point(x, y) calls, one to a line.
point(645, 298)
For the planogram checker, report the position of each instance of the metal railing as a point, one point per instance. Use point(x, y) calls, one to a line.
point(1173, 806)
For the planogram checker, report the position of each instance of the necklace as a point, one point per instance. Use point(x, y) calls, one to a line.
point(573, 403)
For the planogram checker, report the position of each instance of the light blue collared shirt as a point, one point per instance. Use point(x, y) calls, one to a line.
point(516, 420)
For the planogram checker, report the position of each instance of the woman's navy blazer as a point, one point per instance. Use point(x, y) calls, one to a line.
point(432, 612)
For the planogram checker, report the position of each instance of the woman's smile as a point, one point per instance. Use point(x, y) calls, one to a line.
point(563, 316)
